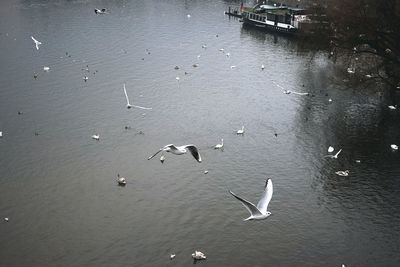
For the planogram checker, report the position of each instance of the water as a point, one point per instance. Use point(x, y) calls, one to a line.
point(59, 188)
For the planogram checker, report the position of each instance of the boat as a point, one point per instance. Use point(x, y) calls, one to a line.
point(282, 19)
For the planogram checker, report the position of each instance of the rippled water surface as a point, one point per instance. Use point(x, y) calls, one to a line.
point(58, 187)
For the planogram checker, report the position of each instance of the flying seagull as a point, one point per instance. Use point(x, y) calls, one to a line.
point(128, 105)
point(260, 212)
point(179, 150)
point(37, 43)
point(334, 156)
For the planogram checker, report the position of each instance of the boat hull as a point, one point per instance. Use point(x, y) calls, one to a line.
point(270, 28)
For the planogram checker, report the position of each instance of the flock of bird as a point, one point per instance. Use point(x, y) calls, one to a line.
point(257, 212)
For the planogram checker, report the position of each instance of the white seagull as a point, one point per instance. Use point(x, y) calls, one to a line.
point(121, 180)
point(37, 43)
point(100, 11)
point(96, 137)
point(241, 131)
point(219, 146)
point(334, 156)
point(260, 212)
point(392, 107)
point(393, 146)
point(330, 149)
point(198, 255)
point(1, 134)
point(343, 173)
point(180, 150)
point(129, 105)
point(262, 67)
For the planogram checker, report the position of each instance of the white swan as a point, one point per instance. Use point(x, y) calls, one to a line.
point(129, 105)
point(258, 212)
point(37, 43)
point(180, 150)
point(241, 131)
point(219, 146)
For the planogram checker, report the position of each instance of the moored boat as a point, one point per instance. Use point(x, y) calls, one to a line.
point(281, 19)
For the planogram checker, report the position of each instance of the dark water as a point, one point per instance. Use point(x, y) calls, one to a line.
point(58, 188)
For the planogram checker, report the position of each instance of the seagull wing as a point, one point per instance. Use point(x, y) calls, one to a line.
point(161, 149)
point(248, 205)
point(126, 95)
point(140, 107)
point(194, 151)
point(297, 93)
point(266, 197)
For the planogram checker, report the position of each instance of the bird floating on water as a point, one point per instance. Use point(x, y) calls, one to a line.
point(197, 255)
point(195, 65)
point(100, 11)
point(162, 158)
point(394, 147)
point(129, 105)
point(343, 173)
point(172, 256)
point(219, 146)
point(351, 70)
point(392, 107)
point(121, 180)
point(221, 49)
point(228, 54)
point(260, 211)
point(37, 43)
point(85, 78)
point(330, 149)
point(334, 156)
point(241, 131)
point(1, 134)
point(96, 137)
point(233, 67)
point(180, 150)
point(46, 68)
point(262, 67)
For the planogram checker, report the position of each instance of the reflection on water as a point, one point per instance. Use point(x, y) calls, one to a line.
point(59, 187)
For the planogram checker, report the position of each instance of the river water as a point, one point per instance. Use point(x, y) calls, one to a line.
point(58, 186)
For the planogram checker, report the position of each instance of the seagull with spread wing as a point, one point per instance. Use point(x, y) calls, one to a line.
point(180, 150)
point(334, 156)
point(258, 212)
point(37, 43)
point(129, 105)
